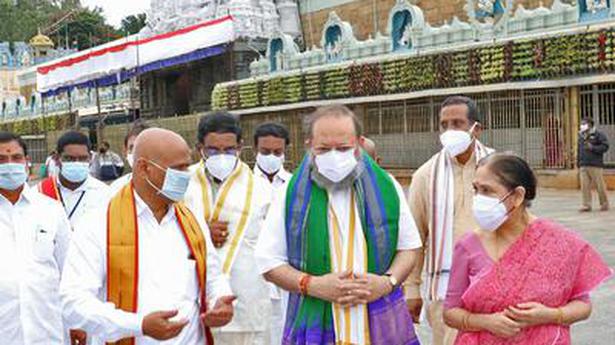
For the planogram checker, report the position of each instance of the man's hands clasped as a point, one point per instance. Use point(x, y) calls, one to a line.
point(348, 289)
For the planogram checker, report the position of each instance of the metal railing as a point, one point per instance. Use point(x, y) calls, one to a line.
point(37, 147)
point(529, 123)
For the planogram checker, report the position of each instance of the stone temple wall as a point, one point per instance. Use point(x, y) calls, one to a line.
point(360, 14)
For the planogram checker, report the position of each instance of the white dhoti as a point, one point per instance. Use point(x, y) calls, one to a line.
point(240, 338)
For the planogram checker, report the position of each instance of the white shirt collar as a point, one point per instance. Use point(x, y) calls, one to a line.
point(281, 175)
point(143, 209)
point(84, 186)
point(27, 195)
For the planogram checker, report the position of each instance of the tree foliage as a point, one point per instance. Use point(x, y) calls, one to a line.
point(19, 22)
point(133, 24)
point(71, 25)
point(86, 29)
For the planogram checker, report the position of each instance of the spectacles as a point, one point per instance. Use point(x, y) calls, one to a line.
point(215, 152)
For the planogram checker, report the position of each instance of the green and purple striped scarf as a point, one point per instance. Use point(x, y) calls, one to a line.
point(309, 320)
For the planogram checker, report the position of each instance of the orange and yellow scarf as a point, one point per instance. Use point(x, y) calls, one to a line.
point(123, 253)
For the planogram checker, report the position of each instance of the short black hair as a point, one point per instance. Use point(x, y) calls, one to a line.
point(588, 120)
point(72, 138)
point(512, 171)
point(474, 114)
point(273, 129)
point(136, 129)
point(7, 137)
point(218, 122)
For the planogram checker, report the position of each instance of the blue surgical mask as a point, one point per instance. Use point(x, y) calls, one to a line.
point(175, 183)
point(75, 172)
point(12, 175)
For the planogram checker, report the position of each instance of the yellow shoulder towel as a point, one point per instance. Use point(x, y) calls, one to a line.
point(239, 185)
point(123, 253)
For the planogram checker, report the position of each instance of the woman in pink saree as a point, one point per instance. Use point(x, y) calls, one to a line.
point(520, 279)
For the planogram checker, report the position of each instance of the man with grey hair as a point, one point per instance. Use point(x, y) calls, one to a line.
point(340, 237)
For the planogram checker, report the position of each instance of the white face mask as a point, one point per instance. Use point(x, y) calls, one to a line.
point(490, 213)
point(336, 165)
point(270, 163)
point(456, 142)
point(221, 166)
point(130, 159)
point(584, 127)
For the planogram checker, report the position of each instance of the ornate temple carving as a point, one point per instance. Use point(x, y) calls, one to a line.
point(253, 18)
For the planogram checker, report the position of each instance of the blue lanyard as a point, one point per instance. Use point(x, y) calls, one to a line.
point(70, 214)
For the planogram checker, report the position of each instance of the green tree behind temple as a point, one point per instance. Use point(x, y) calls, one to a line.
point(19, 22)
point(86, 29)
point(133, 24)
point(82, 29)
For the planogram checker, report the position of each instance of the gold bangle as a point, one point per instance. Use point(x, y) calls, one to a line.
point(464, 322)
point(560, 316)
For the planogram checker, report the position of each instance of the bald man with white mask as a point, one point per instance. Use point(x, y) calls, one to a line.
point(143, 268)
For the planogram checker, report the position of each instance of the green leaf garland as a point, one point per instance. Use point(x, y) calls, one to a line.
point(544, 58)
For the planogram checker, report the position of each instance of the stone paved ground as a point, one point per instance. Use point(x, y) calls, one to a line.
point(599, 229)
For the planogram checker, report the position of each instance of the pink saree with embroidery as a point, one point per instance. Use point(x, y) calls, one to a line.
point(549, 265)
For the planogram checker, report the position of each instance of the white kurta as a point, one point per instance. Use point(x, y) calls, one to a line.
point(279, 180)
point(92, 194)
point(271, 250)
point(253, 305)
point(167, 279)
point(34, 239)
point(118, 184)
point(52, 168)
point(279, 297)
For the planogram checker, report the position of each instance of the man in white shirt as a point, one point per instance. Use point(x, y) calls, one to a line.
point(271, 140)
point(34, 238)
point(225, 193)
point(343, 279)
point(51, 165)
point(74, 187)
point(129, 145)
point(143, 270)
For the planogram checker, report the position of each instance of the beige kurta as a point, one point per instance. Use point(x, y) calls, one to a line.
point(418, 199)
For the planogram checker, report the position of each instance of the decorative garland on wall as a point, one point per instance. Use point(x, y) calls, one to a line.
point(539, 59)
point(38, 125)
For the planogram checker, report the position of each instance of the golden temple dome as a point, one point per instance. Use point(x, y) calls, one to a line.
point(41, 41)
